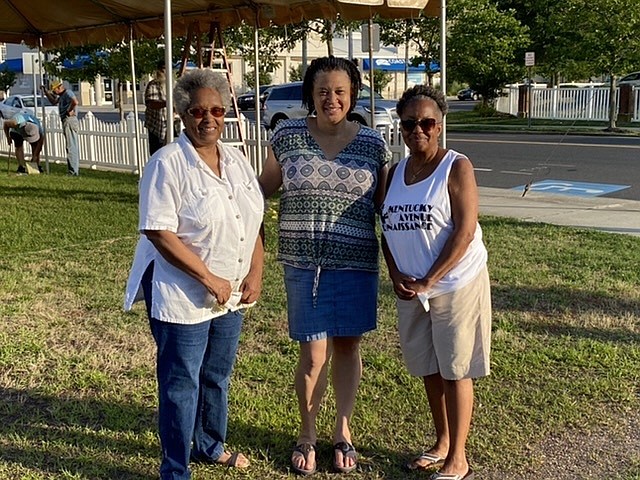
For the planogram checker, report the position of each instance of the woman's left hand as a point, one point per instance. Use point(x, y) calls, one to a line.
point(251, 287)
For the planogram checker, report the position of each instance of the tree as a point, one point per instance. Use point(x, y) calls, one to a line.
point(422, 32)
point(271, 41)
point(7, 79)
point(486, 47)
point(380, 80)
point(605, 34)
point(295, 73)
point(250, 78)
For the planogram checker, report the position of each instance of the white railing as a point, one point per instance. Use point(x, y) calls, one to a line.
point(588, 103)
point(109, 145)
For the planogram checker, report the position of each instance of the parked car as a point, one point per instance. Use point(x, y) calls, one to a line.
point(285, 101)
point(25, 103)
point(632, 79)
point(246, 101)
point(467, 94)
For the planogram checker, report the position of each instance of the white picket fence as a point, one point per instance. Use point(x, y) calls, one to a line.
point(113, 146)
point(590, 103)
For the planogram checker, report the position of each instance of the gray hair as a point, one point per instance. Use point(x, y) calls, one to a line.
point(422, 92)
point(196, 79)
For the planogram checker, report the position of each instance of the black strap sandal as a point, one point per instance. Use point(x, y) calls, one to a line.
point(304, 449)
point(345, 448)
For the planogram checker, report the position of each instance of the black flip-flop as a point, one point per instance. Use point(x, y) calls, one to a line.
point(304, 449)
point(345, 448)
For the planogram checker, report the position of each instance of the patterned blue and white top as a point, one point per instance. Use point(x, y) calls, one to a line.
point(327, 211)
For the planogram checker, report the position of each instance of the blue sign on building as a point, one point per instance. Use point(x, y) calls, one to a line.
point(397, 65)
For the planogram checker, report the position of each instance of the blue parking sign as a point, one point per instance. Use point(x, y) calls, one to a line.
point(569, 187)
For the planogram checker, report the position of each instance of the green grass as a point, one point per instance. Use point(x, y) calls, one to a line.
point(77, 385)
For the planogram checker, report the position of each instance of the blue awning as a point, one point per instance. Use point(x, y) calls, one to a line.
point(12, 65)
point(397, 65)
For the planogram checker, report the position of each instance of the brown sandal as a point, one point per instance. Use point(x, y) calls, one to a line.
point(232, 461)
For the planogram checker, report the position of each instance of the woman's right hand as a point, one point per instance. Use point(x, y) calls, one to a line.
point(400, 286)
point(220, 288)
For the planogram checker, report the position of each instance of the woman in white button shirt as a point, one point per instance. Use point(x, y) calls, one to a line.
point(198, 265)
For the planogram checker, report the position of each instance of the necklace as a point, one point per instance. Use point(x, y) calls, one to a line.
point(415, 174)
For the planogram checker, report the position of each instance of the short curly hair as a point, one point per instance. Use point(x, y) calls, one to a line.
point(420, 92)
point(330, 64)
point(196, 79)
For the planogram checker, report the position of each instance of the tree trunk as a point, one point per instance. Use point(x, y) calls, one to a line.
point(328, 28)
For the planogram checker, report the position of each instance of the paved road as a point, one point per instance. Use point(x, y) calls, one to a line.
point(510, 160)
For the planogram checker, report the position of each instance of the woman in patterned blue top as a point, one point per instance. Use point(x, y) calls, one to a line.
point(332, 172)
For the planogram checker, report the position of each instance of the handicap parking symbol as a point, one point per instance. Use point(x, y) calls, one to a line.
point(568, 187)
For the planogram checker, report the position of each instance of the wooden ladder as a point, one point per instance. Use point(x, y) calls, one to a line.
point(213, 55)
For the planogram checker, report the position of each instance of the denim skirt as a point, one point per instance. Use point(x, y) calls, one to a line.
point(330, 303)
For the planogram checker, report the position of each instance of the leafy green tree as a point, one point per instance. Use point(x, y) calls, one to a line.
point(380, 80)
point(486, 47)
point(295, 73)
point(422, 33)
point(250, 78)
point(7, 79)
point(271, 42)
point(604, 34)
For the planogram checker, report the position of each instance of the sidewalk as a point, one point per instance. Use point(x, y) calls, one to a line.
point(600, 213)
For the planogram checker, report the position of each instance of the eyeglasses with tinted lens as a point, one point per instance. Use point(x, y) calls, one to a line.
point(198, 113)
point(426, 124)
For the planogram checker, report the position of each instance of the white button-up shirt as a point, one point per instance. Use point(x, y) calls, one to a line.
point(218, 218)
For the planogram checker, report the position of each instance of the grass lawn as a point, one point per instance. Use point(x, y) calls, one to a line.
point(77, 382)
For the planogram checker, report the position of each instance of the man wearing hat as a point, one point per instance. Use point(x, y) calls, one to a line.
point(21, 127)
point(155, 116)
point(67, 103)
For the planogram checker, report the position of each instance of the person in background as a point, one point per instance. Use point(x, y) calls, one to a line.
point(21, 127)
point(198, 266)
point(67, 108)
point(332, 172)
point(437, 262)
point(155, 116)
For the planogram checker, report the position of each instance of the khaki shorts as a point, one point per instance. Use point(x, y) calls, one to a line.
point(453, 338)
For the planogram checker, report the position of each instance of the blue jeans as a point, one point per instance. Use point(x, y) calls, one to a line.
point(70, 129)
point(194, 366)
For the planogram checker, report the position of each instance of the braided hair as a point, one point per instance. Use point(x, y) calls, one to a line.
point(330, 64)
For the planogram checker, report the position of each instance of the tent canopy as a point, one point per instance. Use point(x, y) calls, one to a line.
point(77, 22)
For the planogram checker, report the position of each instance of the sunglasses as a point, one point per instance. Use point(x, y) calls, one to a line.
point(199, 113)
point(426, 124)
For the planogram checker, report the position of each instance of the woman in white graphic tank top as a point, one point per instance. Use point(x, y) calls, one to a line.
point(433, 247)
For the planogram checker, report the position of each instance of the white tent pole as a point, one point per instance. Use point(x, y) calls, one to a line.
point(258, 107)
point(44, 114)
point(168, 60)
point(135, 102)
point(372, 100)
point(443, 62)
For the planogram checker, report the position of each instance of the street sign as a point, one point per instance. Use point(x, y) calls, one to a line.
point(375, 41)
point(569, 187)
point(529, 59)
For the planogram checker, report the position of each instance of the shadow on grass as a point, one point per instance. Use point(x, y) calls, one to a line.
point(57, 434)
point(555, 302)
point(62, 435)
point(29, 193)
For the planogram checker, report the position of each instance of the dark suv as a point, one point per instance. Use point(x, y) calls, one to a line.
point(247, 101)
point(285, 101)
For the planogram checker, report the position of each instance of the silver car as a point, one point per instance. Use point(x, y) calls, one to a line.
point(285, 101)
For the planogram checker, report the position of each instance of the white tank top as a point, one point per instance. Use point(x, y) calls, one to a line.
point(416, 223)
